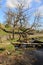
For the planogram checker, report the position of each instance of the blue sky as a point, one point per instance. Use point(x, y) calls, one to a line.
point(33, 4)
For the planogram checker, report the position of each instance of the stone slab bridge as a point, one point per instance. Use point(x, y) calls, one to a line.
point(27, 45)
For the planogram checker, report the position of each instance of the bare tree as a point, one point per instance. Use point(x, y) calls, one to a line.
point(20, 18)
point(11, 20)
point(17, 19)
point(37, 20)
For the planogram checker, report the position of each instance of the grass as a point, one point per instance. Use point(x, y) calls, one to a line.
point(13, 40)
point(2, 32)
point(8, 47)
point(40, 38)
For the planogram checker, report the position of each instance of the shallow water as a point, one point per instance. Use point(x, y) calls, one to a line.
point(39, 55)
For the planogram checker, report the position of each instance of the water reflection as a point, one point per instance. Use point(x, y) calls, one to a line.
point(39, 55)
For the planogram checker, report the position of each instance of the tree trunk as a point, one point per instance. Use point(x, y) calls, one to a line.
point(13, 34)
point(19, 37)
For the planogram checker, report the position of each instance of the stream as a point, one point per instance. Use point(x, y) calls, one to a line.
point(38, 54)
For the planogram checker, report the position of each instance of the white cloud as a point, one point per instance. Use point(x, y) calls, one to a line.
point(28, 3)
point(14, 3)
point(38, 1)
point(11, 3)
point(41, 9)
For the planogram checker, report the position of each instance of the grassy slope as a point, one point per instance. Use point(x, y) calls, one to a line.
point(8, 47)
point(2, 32)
